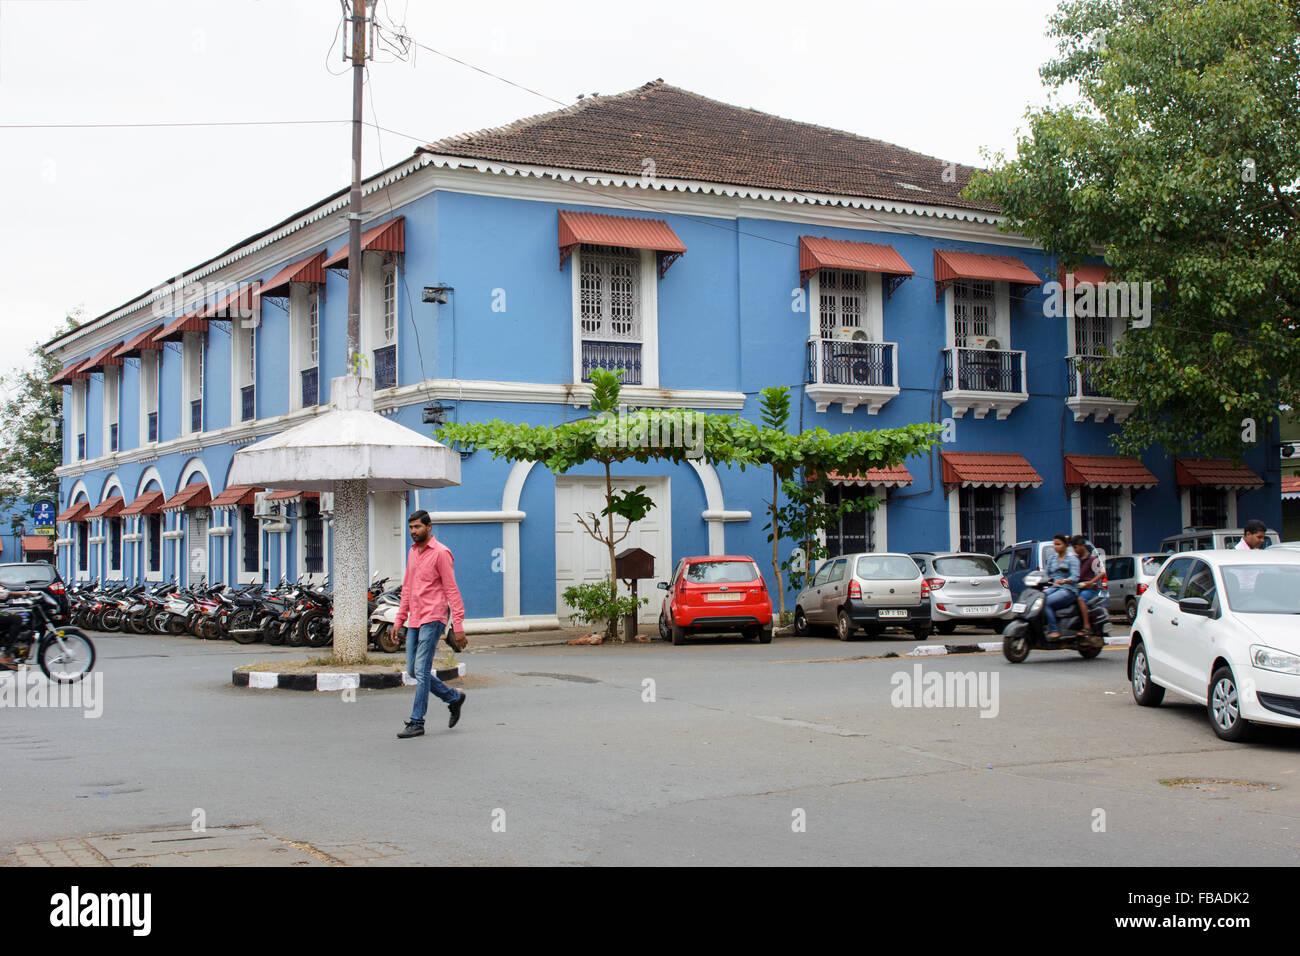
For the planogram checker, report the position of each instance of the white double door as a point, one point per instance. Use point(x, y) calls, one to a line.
point(581, 559)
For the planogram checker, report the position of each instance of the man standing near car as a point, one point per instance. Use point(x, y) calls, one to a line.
point(1253, 536)
point(428, 590)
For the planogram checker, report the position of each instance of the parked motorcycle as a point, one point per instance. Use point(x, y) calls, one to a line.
point(64, 654)
point(1028, 630)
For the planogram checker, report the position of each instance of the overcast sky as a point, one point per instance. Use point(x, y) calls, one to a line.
point(94, 216)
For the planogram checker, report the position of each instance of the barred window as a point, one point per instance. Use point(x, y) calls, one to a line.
point(1091, 335)
point(313, 331)
point(390, 304)
point(313, 537)
point(610, 293)
point(1100, 517)
point(980, 519)
point(1209, 507)
point(972, 311)
point(250, 532)
point(843, 300)
point(855, 531)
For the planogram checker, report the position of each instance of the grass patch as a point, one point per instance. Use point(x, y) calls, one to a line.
point(1211, 782)
point(329, 664)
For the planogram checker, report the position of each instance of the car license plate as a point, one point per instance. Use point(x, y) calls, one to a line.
point(980, 609)
point(724, 596)
point(1017, 608)
point(891, 614)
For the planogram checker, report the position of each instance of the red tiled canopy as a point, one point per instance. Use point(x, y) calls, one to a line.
point(109, 508)
point(1092, 275)
point(241, 299)
point(819, 253)
point(191, 496)
point(1106, 471)
point(235, 496)
point(1291, 486)
point(625, 232)
point(310, 271)
point(147, 503)
point(1214, 473)
point(291, 494)
point(38, 542)
point(191, 321)
point(386, 237)
point(895, 476)
point(144, 342)
point(950, 266)
point(75, 512)
point(73, 371)
point(105, 358)
point(979, 469)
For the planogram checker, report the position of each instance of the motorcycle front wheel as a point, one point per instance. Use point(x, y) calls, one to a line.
point(317, 627)
point(389, 640)
point(66, 656)
point(1015, 649)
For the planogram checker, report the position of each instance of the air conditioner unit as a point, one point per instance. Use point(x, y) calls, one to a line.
point(847, 332)
point(977, 342)
point(993, 345)
point(266, 509)
point(859, 336)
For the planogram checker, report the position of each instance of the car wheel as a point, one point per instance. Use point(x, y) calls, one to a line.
point(665, 633)
point(1145, 691)
point(844, 626)
point(801, 628)
point(945, 627)
point(921, 631)
point(765, 635)
point(678, 635)
point(1224, 707)
point(1015, 649)
point(1130, 610)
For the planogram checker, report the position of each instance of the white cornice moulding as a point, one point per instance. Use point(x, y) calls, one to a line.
point(175, 533)
point(220, 531)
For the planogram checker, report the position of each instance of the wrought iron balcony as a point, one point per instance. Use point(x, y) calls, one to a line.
point(310, 387)
point(849, 373)
point(612, 356)
point(1085, 397)
point(984, 380)
point(386, 367)
point(196, 415)
point(247, 402)
point(153, 426)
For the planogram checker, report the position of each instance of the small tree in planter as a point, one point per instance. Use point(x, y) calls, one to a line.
point(593, 602)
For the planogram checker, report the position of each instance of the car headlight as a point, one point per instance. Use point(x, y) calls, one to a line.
point(1271, 659)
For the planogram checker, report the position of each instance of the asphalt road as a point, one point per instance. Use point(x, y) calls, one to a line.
point(560, 758)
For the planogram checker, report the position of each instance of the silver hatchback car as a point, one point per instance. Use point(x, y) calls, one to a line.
point(867, 590)
point(965, 588)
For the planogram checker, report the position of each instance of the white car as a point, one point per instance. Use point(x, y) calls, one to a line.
point(1223, 629)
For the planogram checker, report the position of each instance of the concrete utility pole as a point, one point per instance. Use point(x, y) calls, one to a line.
point(359, 11)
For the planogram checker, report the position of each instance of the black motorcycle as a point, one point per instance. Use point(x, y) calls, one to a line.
point(1028, 630)
point(64, 654)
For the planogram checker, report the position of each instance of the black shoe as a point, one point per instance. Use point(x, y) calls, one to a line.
point(411, 729)
point(455, 707)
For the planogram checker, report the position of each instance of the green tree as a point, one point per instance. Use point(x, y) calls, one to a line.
point(32, 444)
point(1179, 163)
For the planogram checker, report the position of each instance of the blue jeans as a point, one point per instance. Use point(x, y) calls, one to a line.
point(1057, 597)
point(420, 644)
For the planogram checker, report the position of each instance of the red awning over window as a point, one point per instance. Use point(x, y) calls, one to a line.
point(291, 494)
point(148, 503)
point(818, 253)
point(38, 542)
point(191, 496)
point(191, 321)
point(105, 358)
point(236, 303)
point(75, 512)
point(70, 373)
point(144, 342)
point(235, 496)
point(387, 237)
point(109, 508)
point(1290, 487)
point(896, 476)
point(1106, 471)
point(625, 232)
point(950, 266)
point(309, 271)
point(979, 469)
point(1214, 473)
point(1092, 275)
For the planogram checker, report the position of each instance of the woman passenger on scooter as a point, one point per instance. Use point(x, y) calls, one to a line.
point(1063, 574)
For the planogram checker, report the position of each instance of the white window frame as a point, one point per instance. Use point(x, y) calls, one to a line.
point(112, 406)
point(1008, 518)
point(871, 316)
point(106, 529)
point(300, 543)
point(1185, 506)
point(192, 361)
point(1125, 517)
point(648, 290)
point(240, 374)
point(302, 299)
point(79, 396)
point(242, 576)
point(142, 527)
point(150, 369)
point(374, 271)
point(1000, 327)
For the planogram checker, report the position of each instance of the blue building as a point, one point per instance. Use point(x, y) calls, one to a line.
point(711, 251)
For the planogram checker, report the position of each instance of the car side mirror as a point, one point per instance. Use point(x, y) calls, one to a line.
point(1195, 605)
point(662, 585)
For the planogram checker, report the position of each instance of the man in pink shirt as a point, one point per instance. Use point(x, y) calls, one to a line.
point(428, 591)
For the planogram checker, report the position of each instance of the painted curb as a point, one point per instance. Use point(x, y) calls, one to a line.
point(269, 680)
point(938, 650)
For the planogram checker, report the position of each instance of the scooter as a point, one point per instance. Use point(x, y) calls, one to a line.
point(382, 615)
point(1028, 629)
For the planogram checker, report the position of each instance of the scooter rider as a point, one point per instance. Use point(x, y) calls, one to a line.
point(1063, 573)
point(9, 627)
point(1091, 575)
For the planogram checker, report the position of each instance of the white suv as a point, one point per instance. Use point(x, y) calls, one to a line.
point(1221, 628)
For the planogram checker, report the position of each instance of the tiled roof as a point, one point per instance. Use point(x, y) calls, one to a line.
point(980, 469)
point(1291, 486)
point(1215, 473)
point(147, 503)
point(1107, 471)
point(895, 476)
point(691, 137)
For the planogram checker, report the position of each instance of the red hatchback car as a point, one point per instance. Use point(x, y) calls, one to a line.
point(716, 593)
